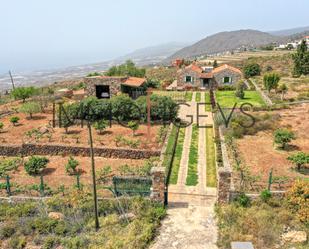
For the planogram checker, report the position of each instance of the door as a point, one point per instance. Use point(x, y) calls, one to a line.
point(102, 92)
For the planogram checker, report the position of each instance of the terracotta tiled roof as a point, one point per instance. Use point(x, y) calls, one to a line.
point(195, 68)
point(206, 75)
point(225, 66)
point(134, 82)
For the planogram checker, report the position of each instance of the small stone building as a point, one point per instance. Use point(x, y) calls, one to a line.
point(194, 76)
point(107, 86)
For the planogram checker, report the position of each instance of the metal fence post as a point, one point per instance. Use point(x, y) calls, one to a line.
point(270, 179)
point(41, 185)
point(8, 185)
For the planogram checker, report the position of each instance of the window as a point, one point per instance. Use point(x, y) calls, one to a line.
point(189, 78)
point(227, 80)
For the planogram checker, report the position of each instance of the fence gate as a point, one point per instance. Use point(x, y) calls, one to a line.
point(132, 186)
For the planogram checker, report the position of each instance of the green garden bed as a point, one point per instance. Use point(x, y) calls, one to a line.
point(177, 157)
point(227, 99)
point(198, 97)
point(192, 176)
point(211, 171)
point(188, 96)
point(207, 100)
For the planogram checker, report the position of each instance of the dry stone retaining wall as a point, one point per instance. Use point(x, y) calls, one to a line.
point(53, 150)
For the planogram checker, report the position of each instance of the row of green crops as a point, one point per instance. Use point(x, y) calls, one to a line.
point(192, 176)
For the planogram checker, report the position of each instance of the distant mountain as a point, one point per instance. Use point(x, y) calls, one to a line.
point(288, 32)
point(226, 41)
point(153, 54)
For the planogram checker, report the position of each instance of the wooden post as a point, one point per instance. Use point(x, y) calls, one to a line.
point(8, 185)
point(97, 225)
point(13, 85)
point(149, 92)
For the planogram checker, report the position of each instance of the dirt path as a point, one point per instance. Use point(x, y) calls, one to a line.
point(190, 221)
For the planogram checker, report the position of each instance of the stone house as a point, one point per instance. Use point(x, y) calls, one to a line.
point(194, 76)
point(107, 86)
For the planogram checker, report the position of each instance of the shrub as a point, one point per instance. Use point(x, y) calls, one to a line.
point(14, 120)
point(30, 108)
point(71, 166)
point(6, 231)
point(17, 242)
point(100, 125)
point(226, 88)
point(271, 81)
point(240, 87)
point(265, 195)
point(133, 125)
point(252, 69)
point(35, 165)
point(299, 159)
point(1, 126)
point(50, 242)
point(24, 92)
point(283, 137)
point(104, 174)
point(297, 197)
point(243, 200)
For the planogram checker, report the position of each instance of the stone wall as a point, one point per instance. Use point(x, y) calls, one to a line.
point(158, 184)
point(181, 78)
point(53, 150)
point(114, 84)
point(218, 77)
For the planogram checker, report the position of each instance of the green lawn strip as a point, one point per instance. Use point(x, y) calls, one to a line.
point(207, 100)
point(211, 172)
point(198, 97)
point(188, 96)
point(169, 148)
point(227, 99)
point(178, 153)
point(192, 177)
point(175, 95)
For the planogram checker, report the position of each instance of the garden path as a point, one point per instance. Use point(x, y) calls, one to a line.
point(190, 221)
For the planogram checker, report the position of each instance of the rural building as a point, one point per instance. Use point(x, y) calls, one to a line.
point(194, 76)
point(107, 86)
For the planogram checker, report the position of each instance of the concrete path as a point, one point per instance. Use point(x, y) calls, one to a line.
point(190, 221)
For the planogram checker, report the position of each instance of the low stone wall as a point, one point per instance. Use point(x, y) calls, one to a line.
point(54, 150)
point(224, 175)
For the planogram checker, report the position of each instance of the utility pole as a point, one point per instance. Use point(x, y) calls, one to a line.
point(13, 85)
point(149, 92)
point(97, 225)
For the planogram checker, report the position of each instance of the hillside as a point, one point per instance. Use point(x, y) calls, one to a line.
point(226, 41)
point(153, 54)
point(287, 32)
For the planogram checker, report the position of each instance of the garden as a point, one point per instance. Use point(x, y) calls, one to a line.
point(67, 221)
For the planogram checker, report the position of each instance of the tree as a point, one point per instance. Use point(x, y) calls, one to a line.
point(71, 166)
point(30, 108)
point(126, 69)
point(133, 125)
point(271, 81)
point(215, 64)
point(283, 137)
point(1, 126)
point(283, 88)
point(301, 60)
point(252, 69)
point(24, 92)
point(240, 93)
point(299, 159)
point(100, 125)
point(14, 120)
point(35, 165)
point(289, 46)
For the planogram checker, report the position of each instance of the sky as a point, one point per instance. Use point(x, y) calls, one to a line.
point(36, 34)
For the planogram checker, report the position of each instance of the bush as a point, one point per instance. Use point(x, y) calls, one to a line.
point(17, 242)
point(240, 90)
point(100, 125)
point(71, 166)
point(6, 231)
point(14, 120)
point(1, 126)
point(51, 242)
point(271, 81)
point(243, 200)
point(265, 195)
point(226, 88)
point(133, 125)
point(30, 108)
point(251, 70)
point(299, 159)
point(35, 165)
point(283, 137)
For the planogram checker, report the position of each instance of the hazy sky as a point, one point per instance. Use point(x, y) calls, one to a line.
point(38, 34)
